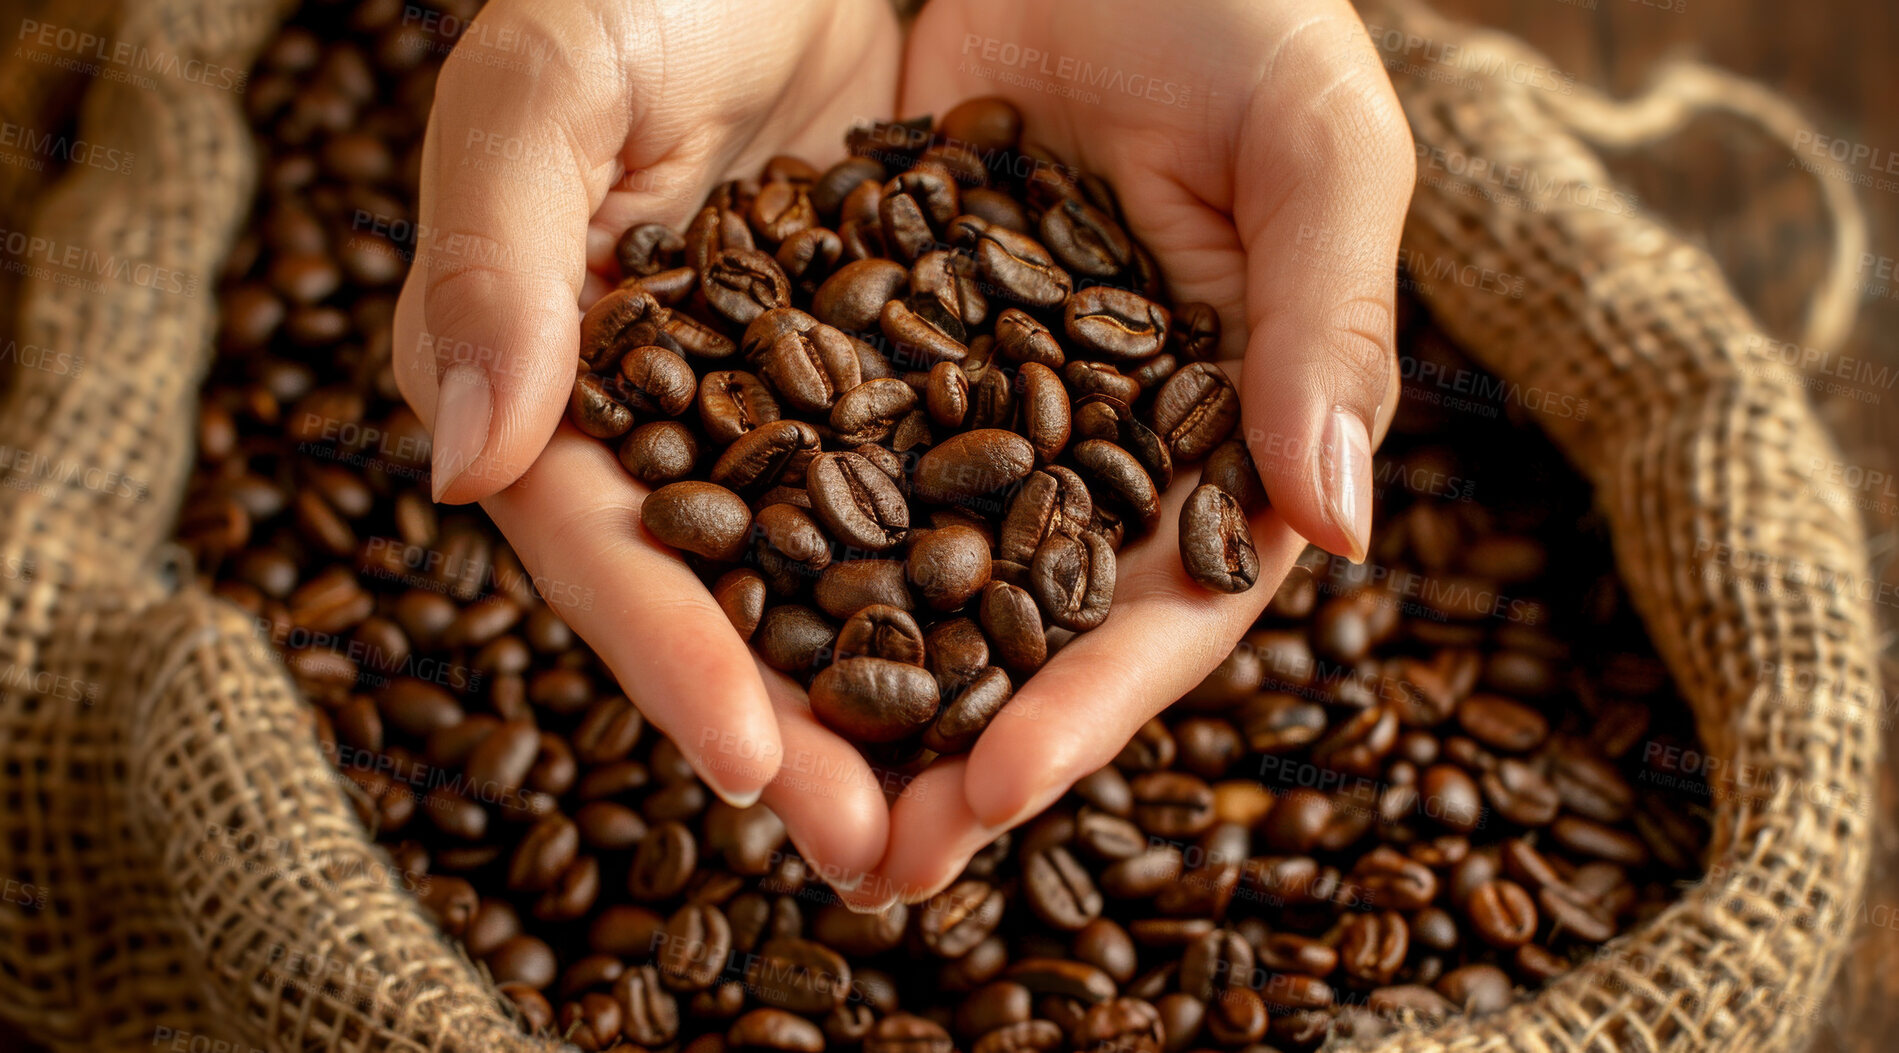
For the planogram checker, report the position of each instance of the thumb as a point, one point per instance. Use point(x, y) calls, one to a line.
point(1321, 232)
point(487, 334)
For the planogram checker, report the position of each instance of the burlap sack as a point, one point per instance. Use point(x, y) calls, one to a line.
point(137, 714)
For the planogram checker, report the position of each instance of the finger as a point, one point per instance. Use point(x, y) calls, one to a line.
point(830, 799)
point(573, 518)
point(516, 156)
point(933, 834)
point(1164, 634)
point(1321, 231)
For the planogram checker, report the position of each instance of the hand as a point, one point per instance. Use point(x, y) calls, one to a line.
point(556, 127)
point(1264, 160)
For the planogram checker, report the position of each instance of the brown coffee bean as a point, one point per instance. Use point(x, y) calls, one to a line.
point(874, 699)
point(798, 975)
point(1477, 989)
point(857, 503)
point(1116, 324)
point(597, 409)
point(663, 864)
point(1062, 978)
point(762, 456)
point(1114, 475)
point(1018, 268)
point(1044, 410)
point(1372, 946)
point(1216, 541)
point(1501, 913)
point(549, 847)
point(960, 917)
point(967, 466)
point(969, 712)
point(776, 1031)
point(1013, 624)
point(1172, 804)
point(1059, 890)
point(733, 402)
point(694, 947)
point(522, 960)
point(1502, 724)
point(1120, 1024)
point(660, 452)
point(1195, 411)
point(791, 637)
point(1072, 579)
point(702, 518)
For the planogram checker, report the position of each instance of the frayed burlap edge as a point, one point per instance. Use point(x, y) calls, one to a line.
point(1755, 590)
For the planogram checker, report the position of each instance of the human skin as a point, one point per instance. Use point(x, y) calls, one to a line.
point(1275, 193)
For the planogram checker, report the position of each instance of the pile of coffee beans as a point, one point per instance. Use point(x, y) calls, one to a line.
point(1419, 787)
point(926, 393)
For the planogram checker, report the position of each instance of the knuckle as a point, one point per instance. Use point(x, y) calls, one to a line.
point(1362, 359)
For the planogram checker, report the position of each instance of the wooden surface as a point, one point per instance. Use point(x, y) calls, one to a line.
point(1759, 215)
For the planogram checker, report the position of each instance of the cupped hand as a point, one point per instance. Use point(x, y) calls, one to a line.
point(1261, 156)
point(556, 127)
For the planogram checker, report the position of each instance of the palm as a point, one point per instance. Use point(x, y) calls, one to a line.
point(1179, 162)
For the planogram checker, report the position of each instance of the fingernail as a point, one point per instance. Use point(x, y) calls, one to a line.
point(1345, 479)
point(738, 800)
point(463, 406)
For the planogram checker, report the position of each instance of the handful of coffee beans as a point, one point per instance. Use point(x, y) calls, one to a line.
point(902, 414)
point(1419, 787)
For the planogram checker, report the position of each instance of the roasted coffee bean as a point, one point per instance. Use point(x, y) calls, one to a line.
point(760, 457)
point(1120, 1024)
point(949, 566)
point(660, 452)
point(798, 975)
point(1051, 501)
point(1059, 890)
point(946, 395)
point(1216, 541)
point(1501, 913)
point(874, 699)
point(618, 322)
point(1072, 579)
point(694, 947)
point(956, 652)
point(960, 917)
point(733, 402)
point(1113, 474)
point(907, 1033)
point(1477, 989)
point(857, 503)
point(1013, 624)
point(791, 637)
point(1502, 724)
point(1085, 240)
point(870, 412)
point(649, 1012)
point(967, 466)
point(810, 369)
point(853, 298)
point(1173, 805)
point(664, 863)
point(775, 1031)
point(877, 631)
point(1195, 411)
point(1043, 410)
point(1115, 324)
point(1520, 793)
point(968, 712)
point(848, 587)
point(1372, 946)
point(1018, 268)
point(740, 593)
point(597, 409)
point(702, 518)
point(1061, 978)
point(655, 380)
point(1021, 339)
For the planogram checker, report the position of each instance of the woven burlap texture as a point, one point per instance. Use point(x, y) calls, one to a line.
point(188, 862)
